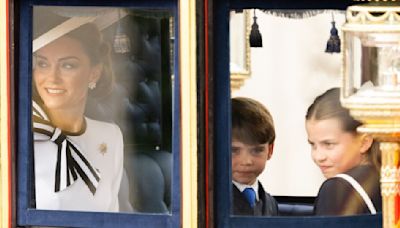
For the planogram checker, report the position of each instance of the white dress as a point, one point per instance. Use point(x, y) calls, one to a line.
point(102, 145)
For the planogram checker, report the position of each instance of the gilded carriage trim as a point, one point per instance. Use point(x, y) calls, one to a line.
point(379, 110)
point(187, 72)
point(5, 193)
point(390, 180)
point(373, 14)
point(239, 77)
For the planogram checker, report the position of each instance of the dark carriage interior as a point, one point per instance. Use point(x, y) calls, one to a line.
point(141, 104)
point(295, 205)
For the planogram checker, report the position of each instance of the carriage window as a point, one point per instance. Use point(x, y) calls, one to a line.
point(101, 113)
point(284, 71)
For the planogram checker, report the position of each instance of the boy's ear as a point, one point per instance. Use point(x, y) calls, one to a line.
point(366, 143)
point(270, 150)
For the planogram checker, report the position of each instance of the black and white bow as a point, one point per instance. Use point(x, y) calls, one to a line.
point(71, 163)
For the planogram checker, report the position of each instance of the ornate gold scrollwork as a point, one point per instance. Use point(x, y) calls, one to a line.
point(240, 70)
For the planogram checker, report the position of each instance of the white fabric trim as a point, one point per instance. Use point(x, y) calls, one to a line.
point(63, 179)
point(43, 126)
point(360, 190)
point(38, 111)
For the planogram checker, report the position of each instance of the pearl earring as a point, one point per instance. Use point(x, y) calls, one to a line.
point(92, 85)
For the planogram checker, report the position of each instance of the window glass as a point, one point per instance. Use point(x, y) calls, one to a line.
point(100, 77)
point(275, 60)
point(95, 94)
point(284, 75)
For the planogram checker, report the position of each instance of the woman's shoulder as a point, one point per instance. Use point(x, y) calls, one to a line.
point(102, 125)
point(100, 132)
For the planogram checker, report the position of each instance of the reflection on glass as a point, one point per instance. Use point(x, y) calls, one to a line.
point(101, 102)
point(285, 76)
point(372, 64)
point(389, 67)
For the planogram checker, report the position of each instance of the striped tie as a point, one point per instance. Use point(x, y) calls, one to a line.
point(71, 163)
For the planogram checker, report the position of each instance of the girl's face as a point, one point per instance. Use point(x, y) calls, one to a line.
point(334, 150)
point(62, 73)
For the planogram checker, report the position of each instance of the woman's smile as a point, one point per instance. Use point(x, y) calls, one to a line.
point(55, 91)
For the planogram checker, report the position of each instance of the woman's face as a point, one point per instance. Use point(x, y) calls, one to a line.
point(62, 73)
point(332, 149)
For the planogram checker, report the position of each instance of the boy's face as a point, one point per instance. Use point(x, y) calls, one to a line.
point(248, 161)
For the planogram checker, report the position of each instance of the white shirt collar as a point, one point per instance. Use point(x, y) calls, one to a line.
point(241, 187)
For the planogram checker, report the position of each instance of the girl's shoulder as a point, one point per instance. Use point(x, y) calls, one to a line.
point(334, 184)
point(364, 173)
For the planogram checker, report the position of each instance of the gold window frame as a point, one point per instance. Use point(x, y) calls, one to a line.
point(187, 67)
point(5, 168)
point(240, 48)
point(187, 72)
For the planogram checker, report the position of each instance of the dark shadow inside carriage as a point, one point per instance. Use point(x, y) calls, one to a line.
point(140, 104)
point(295, 205)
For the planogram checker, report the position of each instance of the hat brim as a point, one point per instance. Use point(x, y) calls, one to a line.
point(49, 25)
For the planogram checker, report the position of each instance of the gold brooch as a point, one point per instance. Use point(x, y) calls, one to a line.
point(103, 148)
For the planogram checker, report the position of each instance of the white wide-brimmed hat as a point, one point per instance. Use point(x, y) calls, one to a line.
point(52, 22)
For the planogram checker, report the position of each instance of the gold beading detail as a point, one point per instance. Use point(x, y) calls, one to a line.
point(390, 179)
point(389, 147)
point(390, 172)
point(373, 15)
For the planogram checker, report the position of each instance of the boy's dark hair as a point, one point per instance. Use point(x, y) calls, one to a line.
point(251, 122)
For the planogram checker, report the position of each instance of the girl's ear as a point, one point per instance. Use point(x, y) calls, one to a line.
point(366, 143)
point(270, 150)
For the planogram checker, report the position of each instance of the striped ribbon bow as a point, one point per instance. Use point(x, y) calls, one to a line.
point(71, 163)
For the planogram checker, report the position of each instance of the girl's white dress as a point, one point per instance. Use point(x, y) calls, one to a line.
point(102, 145)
